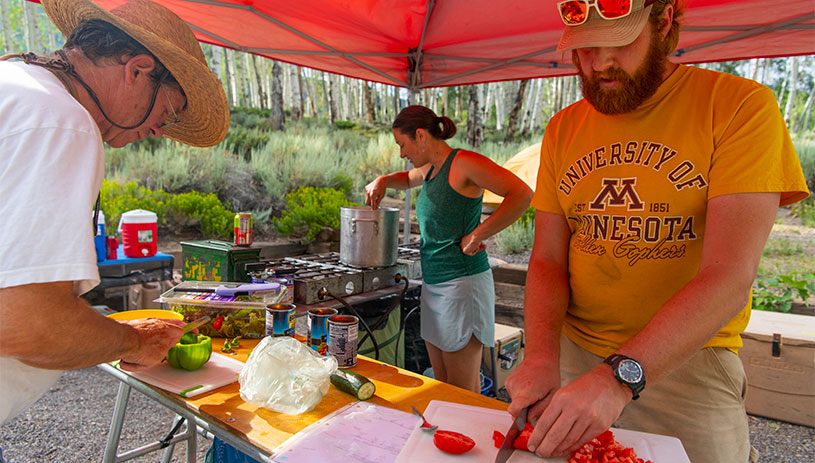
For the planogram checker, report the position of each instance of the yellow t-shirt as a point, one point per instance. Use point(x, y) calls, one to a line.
point(634, 189)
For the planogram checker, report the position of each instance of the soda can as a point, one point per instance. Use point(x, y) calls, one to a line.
point(280, 319)
point(318, 329)
point(243, 229)
point(342, 339)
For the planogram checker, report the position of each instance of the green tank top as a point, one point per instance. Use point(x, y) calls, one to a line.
point(445, 216)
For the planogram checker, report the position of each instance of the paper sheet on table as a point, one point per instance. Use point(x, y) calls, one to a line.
point(362, 432)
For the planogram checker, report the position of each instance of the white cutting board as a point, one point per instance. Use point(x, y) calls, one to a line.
point(479, 423)
point(219, 371)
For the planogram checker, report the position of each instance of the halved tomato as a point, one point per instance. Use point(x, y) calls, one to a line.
point(452, 442)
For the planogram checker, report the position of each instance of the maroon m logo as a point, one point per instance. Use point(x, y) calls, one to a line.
point(617, 192)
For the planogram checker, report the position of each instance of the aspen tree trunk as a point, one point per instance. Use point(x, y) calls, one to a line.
point(526, 113)
point(369, 106)
point(444, 97)
point(780, 95)
point(296, 101)
point(248, 72)
point(277, 117)
point(460, 101)
point(788, 116)
point(500, 111)
point(300, 92)
point(537, 105)
point(8, 45)
point(325, 98)
point(31, 30)
point(231, 78)
point(803, 121)
point(332, 105)
point(533, 108)
point(259, 83)
point(243, 86)
point(475, 127)
point(489, 101)
point(516, 110)
point(396, 103)
point(215, 60)
point(411, 97)
point(754, 68)
point(286, 85)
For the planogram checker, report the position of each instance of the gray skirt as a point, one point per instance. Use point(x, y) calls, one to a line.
point(455, 310)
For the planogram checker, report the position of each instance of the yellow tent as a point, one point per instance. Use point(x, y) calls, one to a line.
point(524, 165)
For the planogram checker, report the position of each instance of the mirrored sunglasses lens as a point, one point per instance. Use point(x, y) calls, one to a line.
point(612, 9)
point(574, 12)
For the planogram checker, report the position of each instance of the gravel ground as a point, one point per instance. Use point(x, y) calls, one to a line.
point(70, 424)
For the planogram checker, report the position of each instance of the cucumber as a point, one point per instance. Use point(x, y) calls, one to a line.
point(353, 383)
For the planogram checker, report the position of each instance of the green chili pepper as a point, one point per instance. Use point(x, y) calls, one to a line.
point(231, 345)
point(191, 353)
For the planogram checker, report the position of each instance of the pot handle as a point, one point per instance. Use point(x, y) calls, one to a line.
point(354, 225)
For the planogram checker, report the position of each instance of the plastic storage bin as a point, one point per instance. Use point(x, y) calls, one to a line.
point(243, 315)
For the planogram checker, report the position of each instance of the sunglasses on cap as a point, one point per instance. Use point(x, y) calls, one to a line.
point(576, 12)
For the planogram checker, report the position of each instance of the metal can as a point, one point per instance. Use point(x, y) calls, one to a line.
point(318, 329)
point(280, 319)
point(342, 339)
point(243, 229)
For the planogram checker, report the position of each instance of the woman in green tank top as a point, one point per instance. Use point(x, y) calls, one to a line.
point(458, 294)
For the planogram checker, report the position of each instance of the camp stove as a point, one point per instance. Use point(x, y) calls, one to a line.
point(315, 272)
point(311, 277)
point(373, 278)
point(409, 256)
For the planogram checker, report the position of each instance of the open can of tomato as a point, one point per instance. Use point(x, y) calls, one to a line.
point(342, 339)
point(280, 319)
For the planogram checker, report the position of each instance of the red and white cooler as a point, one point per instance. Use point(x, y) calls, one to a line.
point(138, 229)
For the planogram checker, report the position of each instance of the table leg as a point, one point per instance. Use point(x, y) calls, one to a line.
point(112, 445)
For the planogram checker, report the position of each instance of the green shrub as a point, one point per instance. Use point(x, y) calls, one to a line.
point(117, 199)
point(777, 293)
point(516, 238)
point(312, 209)
point(343, 125)
point(202, 211)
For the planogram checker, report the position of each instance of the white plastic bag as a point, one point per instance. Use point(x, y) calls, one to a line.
point(286, 376)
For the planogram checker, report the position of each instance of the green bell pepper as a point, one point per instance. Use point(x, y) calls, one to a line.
point(191, 353)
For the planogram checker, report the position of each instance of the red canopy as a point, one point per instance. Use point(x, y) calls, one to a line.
point(427, 43)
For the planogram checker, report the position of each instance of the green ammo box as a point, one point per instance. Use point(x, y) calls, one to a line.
point(212, 260)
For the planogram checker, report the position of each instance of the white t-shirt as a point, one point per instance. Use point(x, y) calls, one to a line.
point(51, 169)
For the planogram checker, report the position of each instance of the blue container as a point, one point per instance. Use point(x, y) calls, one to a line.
point(100, 240)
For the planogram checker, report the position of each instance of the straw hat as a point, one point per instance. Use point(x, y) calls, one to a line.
point(205, 119)
point(599, 32)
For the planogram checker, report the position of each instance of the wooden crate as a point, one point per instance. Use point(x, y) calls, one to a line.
point(779, 359)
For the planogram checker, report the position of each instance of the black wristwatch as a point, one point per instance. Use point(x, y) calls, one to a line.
point(628, 372)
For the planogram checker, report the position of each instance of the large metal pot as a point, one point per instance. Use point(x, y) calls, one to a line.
point(369, 238)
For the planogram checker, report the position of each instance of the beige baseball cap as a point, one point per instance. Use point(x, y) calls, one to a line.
point(599, 32)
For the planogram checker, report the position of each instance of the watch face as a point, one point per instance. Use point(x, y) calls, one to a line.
point(630, 371)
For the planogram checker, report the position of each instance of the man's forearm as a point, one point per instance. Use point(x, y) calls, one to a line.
point(545, 301)
point(57, 330)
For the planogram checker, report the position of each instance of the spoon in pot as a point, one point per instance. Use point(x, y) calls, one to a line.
point(425, 425)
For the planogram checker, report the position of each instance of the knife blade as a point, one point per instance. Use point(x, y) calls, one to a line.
point(195, 324)
point(512, 433)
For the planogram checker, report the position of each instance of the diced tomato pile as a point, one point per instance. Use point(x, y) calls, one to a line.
point(601, 449)
point(604, 449)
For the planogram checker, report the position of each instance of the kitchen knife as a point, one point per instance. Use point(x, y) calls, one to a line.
point(195, 324)
point(509, 438)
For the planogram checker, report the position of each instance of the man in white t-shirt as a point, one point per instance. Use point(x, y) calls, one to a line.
point(124, 75)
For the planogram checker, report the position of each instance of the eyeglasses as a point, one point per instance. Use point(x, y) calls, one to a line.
point(170, 120)
point(576, 12)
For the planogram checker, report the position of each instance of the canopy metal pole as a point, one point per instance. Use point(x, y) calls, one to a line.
point(406, 231)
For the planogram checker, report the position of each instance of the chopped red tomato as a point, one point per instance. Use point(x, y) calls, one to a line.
point(452, 442)
point(605, 449)
point(498, 438)
point(521, 442)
